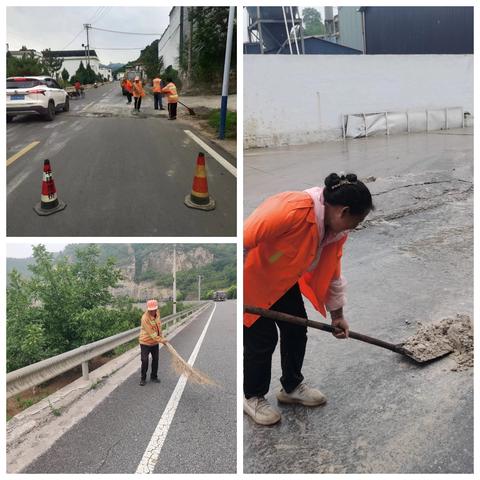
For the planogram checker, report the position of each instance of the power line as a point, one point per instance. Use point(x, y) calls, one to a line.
point(74, 38)
point(115, 48)
point(125, 33)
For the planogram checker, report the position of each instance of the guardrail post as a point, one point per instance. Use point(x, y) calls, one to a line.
point(85, 370)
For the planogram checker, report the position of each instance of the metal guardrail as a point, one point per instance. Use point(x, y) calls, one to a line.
point(37, 373)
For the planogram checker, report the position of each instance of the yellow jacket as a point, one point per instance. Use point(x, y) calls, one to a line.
point(150, 329)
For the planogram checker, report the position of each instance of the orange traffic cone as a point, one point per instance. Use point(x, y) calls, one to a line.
point(49, 202)
point(199, 198)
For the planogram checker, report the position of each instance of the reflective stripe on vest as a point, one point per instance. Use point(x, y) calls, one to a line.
point(156, 85)
point(172, 92)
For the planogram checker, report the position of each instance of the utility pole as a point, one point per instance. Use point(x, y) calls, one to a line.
point(174, 280)
point(226, 73)
point(87, 26)
point(199, 287)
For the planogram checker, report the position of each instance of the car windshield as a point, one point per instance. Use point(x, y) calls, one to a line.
point(24, 82)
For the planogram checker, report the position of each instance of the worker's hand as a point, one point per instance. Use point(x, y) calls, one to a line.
point(342, 323)
point(163, 341)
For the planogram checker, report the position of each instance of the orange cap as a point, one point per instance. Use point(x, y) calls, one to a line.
point(152, 305)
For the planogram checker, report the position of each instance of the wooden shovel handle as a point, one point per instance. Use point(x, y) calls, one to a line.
point(284, 317)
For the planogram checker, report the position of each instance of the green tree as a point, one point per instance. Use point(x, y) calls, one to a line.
point(202, 58)
point(64, 304)
point(312, 20)
point(26, 65)
point(232, 292)
point(81, 73)
point(51, 63)
point(65, 75)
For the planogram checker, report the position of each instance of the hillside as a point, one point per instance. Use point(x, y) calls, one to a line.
point(147, 268)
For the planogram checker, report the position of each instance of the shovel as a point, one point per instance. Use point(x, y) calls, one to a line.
point(190, 110)
point(424, 357)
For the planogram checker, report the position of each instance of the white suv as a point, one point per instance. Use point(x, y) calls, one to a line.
point(41, 95)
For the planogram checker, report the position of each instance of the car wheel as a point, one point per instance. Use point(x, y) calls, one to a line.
point(9, 118)
point(50, 115)
point(66, 105)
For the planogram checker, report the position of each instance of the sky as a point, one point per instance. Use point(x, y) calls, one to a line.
point(55, 27)
point(24, 250)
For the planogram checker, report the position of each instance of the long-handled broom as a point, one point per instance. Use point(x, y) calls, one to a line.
point(183, 368)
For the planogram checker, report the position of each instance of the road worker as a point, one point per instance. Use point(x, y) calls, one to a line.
point(158, 84)
point(150, 338)
point(128, 87)
point(293, 246)
point(138, 93)
point(172, 98)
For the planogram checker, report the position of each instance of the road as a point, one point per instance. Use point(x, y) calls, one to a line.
point(201, 438)
point(119, 174)
point(413, 262)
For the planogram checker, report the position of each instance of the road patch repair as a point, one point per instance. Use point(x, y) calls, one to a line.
point(454, 334)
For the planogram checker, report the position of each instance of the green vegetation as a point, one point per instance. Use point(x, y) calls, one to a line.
point(63, 305)
point(312, 20)
point(230, 124)
point(203, 58)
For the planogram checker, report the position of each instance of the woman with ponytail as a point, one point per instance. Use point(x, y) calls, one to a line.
point(293, 245)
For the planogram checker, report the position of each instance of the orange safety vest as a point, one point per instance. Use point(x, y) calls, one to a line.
point(171, 91)
point(150, 329)
point(138, 89)
point(156, 85)
point(281, 237)
point(128, 86)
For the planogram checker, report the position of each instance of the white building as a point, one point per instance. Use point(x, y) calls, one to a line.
point(105, 72)
point(72, 59)
point(21, 53)
point(173, 37)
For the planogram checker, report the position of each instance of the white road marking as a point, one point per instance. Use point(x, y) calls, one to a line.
point(224, 163)
point(87, 106)
point(150, 457)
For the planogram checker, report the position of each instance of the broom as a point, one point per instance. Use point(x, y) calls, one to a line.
point(181, 367)
point(190, 110)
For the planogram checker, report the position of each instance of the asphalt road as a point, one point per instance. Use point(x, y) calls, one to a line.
point(119, 174)
point(202, 435)
point(413, 262)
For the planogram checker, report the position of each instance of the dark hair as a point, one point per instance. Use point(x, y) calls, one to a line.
point(348, 191)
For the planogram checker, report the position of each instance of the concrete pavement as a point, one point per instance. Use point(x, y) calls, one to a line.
point(412, 262)
point(120, 174)
point(201, 438)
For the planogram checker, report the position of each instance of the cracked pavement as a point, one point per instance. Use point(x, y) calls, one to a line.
point(410, 262)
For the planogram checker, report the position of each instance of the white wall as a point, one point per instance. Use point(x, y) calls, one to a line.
point(301, 99)
point(72, 64)
point(169, 43)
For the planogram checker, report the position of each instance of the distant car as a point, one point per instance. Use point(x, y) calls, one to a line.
point(38, 95)
point(219, 296)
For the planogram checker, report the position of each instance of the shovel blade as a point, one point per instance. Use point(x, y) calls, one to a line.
point(425, 356)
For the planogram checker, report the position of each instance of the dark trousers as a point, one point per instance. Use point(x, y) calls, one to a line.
point(172, 110)
point(129, 97)
point(145, 350)
point(260, 340)
point(138, 102)
point(157, 100)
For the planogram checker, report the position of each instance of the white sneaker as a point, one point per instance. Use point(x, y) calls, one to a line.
point(303, 394)
point(260, 411)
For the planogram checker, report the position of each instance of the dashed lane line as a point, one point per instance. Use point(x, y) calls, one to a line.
point(23, 151)
point(150, 457)
point(224, 163)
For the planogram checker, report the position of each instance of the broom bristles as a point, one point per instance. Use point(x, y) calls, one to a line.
point(181, 367)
